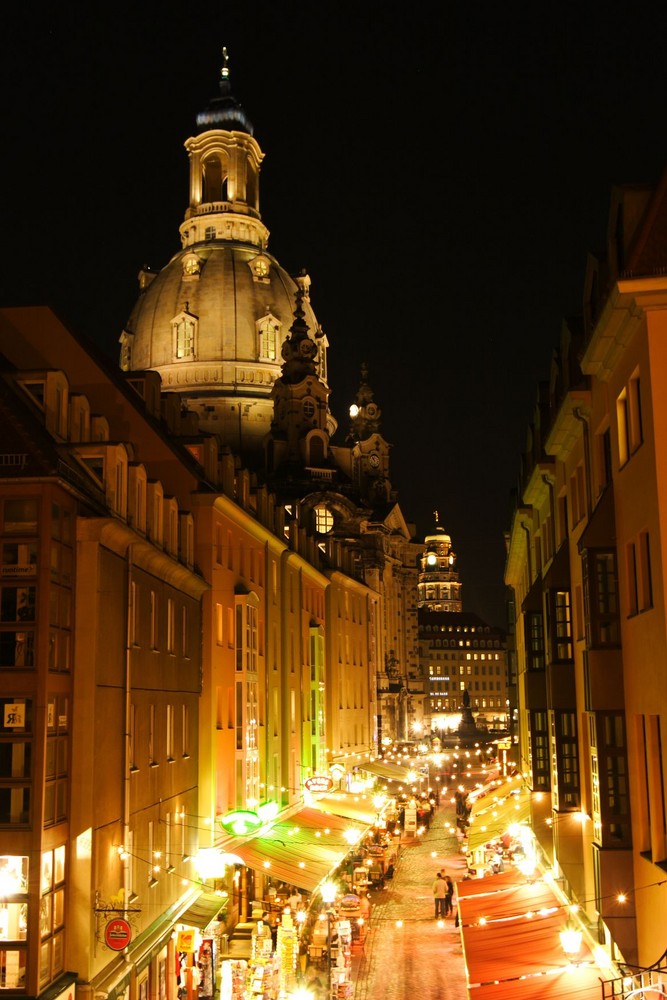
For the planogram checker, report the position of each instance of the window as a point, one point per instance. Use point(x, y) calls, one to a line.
point(534, 625)
point(209, 233)
point(269, 338)
point(13, 921)
point(20, 517)
point(645, 576)
point(629, 419)
point(561, 639)
point(52, 914)
point(56, 770)
point(184, 335)
point(153, 621)
point(601, 598)
point(170, 733)
point(565, 785)
point(633, 590)
point(185, 731)
point(151, 736)
point(539, 750)
point(324, 519)
point(171, 626)
point(16, 752)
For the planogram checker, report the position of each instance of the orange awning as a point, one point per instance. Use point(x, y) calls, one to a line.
point(580, 983)
point(510, 928)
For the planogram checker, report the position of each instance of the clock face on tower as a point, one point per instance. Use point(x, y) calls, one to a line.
point(374, 460)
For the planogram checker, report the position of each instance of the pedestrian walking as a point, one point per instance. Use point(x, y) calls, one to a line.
point(439, 895)
point(449, 895)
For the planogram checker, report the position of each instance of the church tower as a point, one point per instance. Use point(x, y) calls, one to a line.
point(439, 587)
point(213, 321)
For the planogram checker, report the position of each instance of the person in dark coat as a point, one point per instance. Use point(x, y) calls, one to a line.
point(449, 895)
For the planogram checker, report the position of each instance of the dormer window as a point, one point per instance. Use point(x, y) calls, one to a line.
point(184, 327)
point(260, 267)
point(191, 265)
point(269, 333)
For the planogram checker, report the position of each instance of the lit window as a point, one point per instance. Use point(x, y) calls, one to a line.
point(324, 520)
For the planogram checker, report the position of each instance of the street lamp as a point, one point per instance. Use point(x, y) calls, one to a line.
point(329, 893)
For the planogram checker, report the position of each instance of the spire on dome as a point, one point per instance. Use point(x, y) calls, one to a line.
point(298, 349)
point(224, 111)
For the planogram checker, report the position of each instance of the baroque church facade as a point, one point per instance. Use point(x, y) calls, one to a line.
point(206, 600)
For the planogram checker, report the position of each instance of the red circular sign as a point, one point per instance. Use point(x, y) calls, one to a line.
point(118, 934)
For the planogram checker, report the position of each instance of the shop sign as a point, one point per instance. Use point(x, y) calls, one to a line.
point(319, 783)
point(185, 941)
point(410, 820)
point(117, 934)
point(241, 821)
point(338, 770)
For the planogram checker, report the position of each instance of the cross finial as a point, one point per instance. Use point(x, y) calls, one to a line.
point(435, 514)
point(225, 63)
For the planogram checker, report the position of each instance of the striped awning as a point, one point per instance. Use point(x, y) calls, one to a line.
point(203, 910)
point(510, 930)
point(304, 849)
point(493, 815)
point(394, 773)
point(348, 805)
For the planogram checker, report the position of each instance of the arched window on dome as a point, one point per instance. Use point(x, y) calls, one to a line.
point(268, 331)
point(184, 336)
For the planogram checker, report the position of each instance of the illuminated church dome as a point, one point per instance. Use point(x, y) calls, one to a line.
point(213, 321)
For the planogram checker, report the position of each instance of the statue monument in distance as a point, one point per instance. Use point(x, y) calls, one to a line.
point(467, 731)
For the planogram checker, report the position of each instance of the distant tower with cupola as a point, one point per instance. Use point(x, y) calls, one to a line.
point(439, 587)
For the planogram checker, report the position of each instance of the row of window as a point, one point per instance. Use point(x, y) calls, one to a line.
point(440, 704)
point(464, 644)
point(460, 686)
point(161, 737)
point(479, 670)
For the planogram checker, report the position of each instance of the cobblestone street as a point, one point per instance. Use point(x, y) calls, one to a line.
point(418, 959)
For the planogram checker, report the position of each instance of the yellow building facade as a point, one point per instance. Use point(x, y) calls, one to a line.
point(586, 563)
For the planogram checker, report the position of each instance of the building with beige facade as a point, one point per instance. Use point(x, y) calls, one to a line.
point(586, 561)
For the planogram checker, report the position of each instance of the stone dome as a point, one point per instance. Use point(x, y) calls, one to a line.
point(212, 322)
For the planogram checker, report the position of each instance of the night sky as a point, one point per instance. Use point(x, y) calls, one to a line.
point(440, 170)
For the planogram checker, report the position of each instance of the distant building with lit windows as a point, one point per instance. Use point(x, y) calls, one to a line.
point(458, 651)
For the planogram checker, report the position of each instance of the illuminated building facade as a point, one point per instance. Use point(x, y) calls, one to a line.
point(586, 563)
point(458, 652)
point(201, 593)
